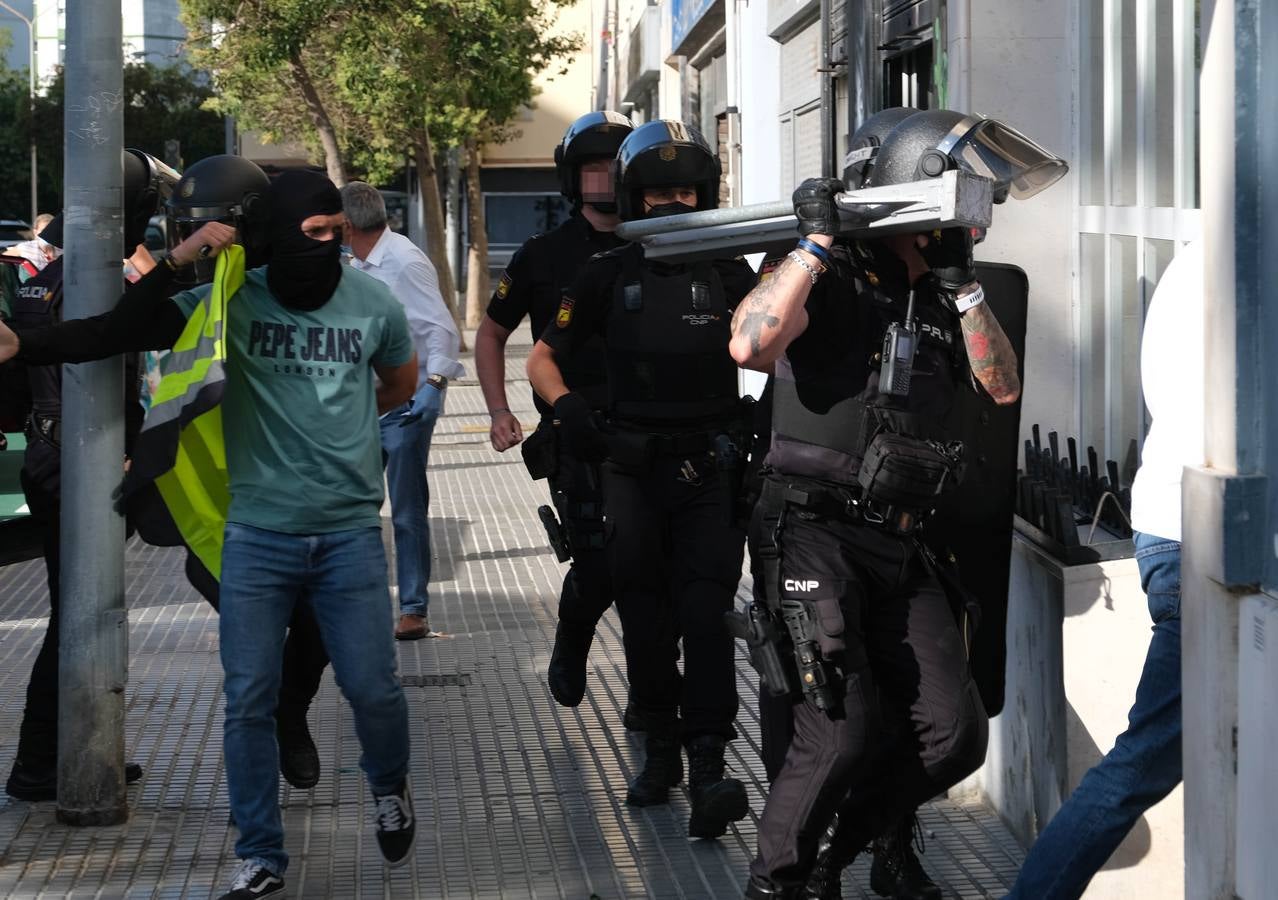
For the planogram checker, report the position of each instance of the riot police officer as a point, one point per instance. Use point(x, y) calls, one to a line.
point(532, 286)
point(676, 430)
point(226, 189)
point(871, 341)
point(147, 182)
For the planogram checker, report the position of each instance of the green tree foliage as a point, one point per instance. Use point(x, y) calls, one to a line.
point(160, 103)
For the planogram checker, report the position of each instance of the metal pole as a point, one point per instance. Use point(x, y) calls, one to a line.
point(31, 93)
point(863, 58)
point(93, 656)
point(827, 97)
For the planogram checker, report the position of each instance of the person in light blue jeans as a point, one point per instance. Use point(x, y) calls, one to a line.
point(1145, 764)
point(342, 575)
point(406, 435)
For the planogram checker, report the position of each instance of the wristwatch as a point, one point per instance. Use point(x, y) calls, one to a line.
point(437, 381)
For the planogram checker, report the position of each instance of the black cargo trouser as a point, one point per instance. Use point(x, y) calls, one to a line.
point(675, 561)
point(910, 723)
point(576, 489)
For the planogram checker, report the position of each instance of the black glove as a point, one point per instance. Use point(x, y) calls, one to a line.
point(949, 255)
point(815, 207)
point(577, 427)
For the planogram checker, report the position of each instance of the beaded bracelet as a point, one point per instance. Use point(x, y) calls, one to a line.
point(813, 274)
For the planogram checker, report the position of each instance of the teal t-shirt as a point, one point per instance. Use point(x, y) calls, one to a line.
point(303, 451)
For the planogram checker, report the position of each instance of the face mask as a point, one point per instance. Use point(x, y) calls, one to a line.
point(660, 210)
point(303, 272)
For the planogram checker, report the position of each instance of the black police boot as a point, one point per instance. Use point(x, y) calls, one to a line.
point(299, 760)
point(759, 889)
point(716, 800)
point(826, 880)
point(662, 769)
point(567, 672)
point(39, 783)
point(633, 719)
point(897, 872)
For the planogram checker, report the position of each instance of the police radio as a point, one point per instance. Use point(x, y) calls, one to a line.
point(899, 344)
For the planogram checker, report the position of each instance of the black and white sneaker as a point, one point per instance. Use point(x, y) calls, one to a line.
point(396, 825)
point(253, 880)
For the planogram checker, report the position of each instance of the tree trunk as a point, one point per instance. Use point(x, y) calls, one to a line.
point(477, 246)
point(436, 246)
point(323, 124)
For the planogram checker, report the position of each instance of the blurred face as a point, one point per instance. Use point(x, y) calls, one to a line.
point(324, 228)
point(662, 196)
point(596, 181)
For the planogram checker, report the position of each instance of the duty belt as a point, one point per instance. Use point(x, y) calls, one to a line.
point(45, 428)
point(847, 503)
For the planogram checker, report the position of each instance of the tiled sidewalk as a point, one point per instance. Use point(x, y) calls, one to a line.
point(517, 797)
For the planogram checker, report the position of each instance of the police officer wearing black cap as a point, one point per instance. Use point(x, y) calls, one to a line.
point(871, 341)
point(147, 182)
point(677, 431)
point(532, 286)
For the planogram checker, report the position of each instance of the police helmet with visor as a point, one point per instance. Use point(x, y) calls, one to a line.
point(147, 184)
point(932, 142)
point(223, 188)
point(594, 136)
point(661, 154)
point(865, 142)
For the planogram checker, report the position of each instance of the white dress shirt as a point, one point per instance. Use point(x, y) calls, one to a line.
point(1172, 370)
point(401, 265)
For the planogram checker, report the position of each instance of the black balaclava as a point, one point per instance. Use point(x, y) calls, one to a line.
point(303, 273)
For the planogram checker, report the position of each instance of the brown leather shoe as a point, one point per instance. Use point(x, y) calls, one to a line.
point(411, 628)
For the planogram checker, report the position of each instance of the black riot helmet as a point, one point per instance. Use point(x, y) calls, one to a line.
point(864, 144)
point(594, 136)
point(222, 188)
point(929, 143)
point(665, 153)
point(147, 185)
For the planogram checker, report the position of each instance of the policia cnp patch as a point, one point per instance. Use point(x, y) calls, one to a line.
point(503, 286)
point(564, 316)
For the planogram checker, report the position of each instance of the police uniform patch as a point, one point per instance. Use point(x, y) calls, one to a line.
point(564, 316)
point(667, 154)
point(503, 286)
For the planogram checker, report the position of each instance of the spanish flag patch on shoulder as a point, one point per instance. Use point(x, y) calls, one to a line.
point(564, 316)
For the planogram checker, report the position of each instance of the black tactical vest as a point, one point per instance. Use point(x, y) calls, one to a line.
point(826, 408)
point(668, 333)
point(38, 304)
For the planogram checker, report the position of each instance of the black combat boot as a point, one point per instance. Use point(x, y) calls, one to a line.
point(825, 882)
point(897, 872)
point(662, 768)
point(759, 889)
point(716, 800)
point(567, 672)
point(633, 719)
point(299, 760)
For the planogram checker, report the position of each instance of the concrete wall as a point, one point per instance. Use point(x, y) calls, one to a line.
point(1077, 638)
point(562, 99)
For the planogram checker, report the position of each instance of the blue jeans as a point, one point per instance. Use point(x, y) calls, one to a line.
point(1145, 764)
point(343, 576)
point(406, 434)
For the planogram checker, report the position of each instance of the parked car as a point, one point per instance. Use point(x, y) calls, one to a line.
point(14, 231)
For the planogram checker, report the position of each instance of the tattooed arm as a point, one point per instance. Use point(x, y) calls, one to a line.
point(773, 314)
point(990, 354)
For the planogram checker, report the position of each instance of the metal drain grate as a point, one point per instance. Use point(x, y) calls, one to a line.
point(460, 679)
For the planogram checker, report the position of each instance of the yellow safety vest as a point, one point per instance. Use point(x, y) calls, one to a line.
point(181, 449)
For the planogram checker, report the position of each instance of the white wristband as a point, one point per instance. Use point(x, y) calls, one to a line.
point(976, 298)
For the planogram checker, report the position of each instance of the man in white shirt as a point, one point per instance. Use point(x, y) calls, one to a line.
point(406, 430)
point(1145, 764)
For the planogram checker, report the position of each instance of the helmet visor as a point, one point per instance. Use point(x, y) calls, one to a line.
point(1002, 154)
